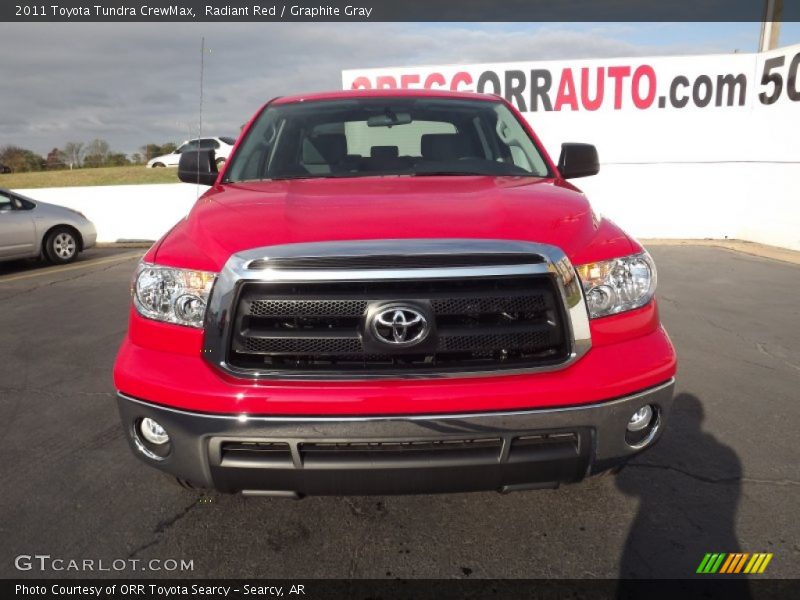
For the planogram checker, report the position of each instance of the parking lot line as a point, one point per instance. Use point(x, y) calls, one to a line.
point(80, 265)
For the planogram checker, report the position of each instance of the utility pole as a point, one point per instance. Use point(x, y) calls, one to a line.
point(770, 25)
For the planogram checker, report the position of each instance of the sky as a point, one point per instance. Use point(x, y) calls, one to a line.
point(135, 83)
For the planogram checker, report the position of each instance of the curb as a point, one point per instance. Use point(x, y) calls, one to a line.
point(751, 248)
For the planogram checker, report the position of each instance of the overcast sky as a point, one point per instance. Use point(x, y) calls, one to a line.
point(136, 83)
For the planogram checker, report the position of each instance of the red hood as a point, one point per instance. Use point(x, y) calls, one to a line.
point(237, 217)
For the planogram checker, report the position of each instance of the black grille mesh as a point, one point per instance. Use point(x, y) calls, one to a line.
point(321, 327)
point(529, 340)
point(307, 308)
point(508, 304)
point(303, 345)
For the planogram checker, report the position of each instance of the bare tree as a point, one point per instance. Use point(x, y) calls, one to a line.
point(97, 152)
point(73, 153)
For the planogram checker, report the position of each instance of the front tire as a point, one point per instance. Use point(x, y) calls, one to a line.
point(159, 166)
point(61, 246)
point(220, 162)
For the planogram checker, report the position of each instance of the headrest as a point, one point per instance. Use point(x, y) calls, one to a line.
point(384, 152)
point(444, 146)
point(325, 148)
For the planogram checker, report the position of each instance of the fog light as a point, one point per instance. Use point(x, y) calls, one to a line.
point(153, 432)
point(641, 418)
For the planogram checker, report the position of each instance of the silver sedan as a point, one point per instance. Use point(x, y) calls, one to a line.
point(30, 228)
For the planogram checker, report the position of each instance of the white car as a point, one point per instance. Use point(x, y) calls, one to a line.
point(222, 147)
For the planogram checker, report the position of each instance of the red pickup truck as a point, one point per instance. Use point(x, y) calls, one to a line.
point(392, 291)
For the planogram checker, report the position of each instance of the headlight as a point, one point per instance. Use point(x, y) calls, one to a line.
point(614, 286)
point(172, 295)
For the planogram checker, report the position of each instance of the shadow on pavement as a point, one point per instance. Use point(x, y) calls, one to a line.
point(688, 487)
point(31, 265)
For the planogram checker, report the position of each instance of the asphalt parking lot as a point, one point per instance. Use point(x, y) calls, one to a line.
point(724, 477)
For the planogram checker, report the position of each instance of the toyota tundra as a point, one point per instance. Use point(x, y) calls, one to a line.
point(392, 291)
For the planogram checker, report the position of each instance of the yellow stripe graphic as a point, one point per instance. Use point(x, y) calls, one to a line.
point(757, 564)
point(765, 563)
point(751, 564)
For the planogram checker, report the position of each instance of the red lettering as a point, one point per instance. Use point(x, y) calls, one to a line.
point(594, 103)
point(434, 78)
point(640, 101)
point(459, 78)
point(361, 83)
point(618, 74)
point(406, 81)
point(385, 81)
point(566, 91)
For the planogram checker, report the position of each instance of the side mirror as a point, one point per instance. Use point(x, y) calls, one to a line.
point(198, 166)
point(578, 160)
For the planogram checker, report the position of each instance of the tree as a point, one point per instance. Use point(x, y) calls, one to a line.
point(21, 159)
point(152, 150)
point(136, 158)
point(73, 153)
point(117, 159)
point(97, 152)
point(55, 159)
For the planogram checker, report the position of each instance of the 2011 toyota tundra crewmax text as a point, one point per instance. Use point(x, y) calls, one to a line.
point(392, 291)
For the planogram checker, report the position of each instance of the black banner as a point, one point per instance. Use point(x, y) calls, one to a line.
point(709, 587)
point(389, 10)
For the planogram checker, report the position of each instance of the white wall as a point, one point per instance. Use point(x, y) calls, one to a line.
point(125, 212)
point(666, 171)
point(757, 202)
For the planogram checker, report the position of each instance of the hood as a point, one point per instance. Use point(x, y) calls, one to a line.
point(241, 216)
point(56, 209)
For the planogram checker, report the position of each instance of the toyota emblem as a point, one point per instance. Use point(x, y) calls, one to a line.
point(400, 326)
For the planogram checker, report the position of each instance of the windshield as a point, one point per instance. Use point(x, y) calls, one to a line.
point(386, 136)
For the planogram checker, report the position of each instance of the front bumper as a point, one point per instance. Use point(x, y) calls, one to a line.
point(295, 456)
point(88, 235)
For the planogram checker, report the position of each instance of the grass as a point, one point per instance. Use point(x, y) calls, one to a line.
point(88, 177)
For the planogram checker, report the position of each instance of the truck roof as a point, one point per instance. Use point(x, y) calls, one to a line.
point(385, 93)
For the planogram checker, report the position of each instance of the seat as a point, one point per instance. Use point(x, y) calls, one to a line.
point(444, 147)
point(385, 158)
point(384, 152)
point(325, 152)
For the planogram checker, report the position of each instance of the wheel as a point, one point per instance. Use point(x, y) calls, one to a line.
point(61, 245)
point(220, 162)
point(159, 165)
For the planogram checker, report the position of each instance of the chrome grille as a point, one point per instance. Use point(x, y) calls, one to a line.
point(307, 310)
